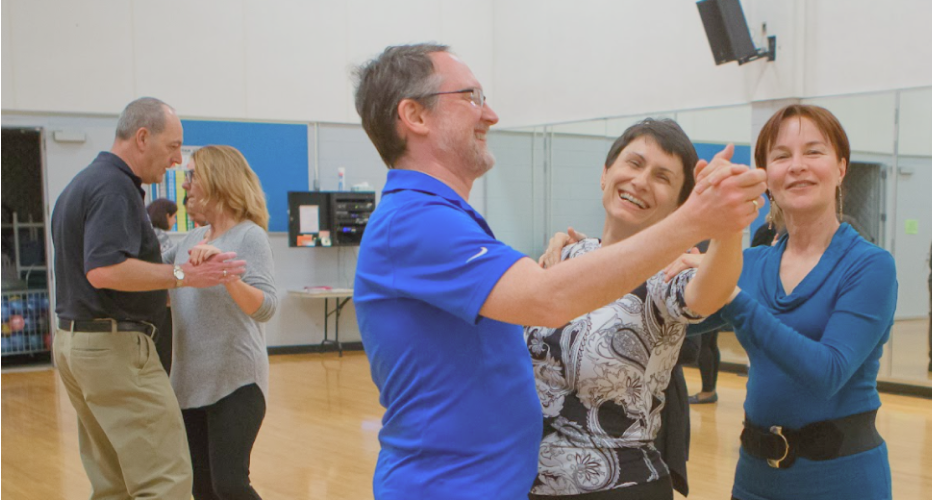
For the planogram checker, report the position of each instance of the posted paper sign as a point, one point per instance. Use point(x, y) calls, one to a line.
point(309, 219)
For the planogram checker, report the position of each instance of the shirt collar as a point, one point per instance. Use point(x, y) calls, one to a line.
point(412, 180)
point(401, 180)
point(116, 161)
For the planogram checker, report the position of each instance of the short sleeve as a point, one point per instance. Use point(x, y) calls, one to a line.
point(670, 297)
point(444, 257)
point(111, 233)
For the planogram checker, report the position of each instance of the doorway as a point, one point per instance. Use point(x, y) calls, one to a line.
point(27, 320)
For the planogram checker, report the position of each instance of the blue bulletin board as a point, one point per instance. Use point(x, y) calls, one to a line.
point(277, 152)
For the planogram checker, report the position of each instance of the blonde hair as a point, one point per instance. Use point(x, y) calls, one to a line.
point(227, 180)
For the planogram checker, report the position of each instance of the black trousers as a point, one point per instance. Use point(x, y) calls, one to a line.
point(220, 437)
point(709, 359)
point(661, 489)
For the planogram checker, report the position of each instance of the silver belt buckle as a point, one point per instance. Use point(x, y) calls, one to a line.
point(778, 430)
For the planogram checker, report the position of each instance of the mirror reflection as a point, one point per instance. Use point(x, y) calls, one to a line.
point(548, 186)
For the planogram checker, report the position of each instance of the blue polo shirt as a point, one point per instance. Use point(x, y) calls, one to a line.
point(462, 418)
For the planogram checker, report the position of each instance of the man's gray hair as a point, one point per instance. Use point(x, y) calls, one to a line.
point(145, 112)
point(399, 72)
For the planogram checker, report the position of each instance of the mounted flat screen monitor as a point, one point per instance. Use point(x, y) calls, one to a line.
point(328, 218)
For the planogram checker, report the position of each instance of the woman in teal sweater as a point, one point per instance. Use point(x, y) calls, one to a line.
point(813, 313)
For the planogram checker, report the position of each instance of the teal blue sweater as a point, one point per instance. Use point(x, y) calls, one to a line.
point(814, 356)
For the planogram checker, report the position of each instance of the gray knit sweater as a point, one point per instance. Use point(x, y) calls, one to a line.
point(217, 347)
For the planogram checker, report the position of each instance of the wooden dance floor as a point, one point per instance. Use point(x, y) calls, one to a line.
point(319, 439)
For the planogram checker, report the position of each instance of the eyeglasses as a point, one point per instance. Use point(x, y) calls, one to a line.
point(188, 176)
point(477, 96)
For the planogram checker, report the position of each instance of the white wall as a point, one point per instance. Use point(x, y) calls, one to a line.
point(869, 119)
point(541, 61)
point(720, 125)
point(281, 60)
point(865, 45)
point(69, 56)
point(562, 61)
point(916, 122)
point(6, 59)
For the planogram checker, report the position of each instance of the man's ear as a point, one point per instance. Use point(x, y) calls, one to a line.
point(142, 138)
point(413, 117)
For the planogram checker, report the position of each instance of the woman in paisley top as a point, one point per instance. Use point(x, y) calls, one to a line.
point(601, 377)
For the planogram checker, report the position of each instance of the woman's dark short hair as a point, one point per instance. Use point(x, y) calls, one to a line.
point(401, 72)
point(667, 134)
point(159, 212)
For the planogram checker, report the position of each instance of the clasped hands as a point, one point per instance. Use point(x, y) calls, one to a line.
point(209, 264)
point(729, 189)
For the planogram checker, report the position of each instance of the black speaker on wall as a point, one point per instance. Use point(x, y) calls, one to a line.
point(728, 33)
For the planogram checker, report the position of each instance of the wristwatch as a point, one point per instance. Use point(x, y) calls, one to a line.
point(179, 276)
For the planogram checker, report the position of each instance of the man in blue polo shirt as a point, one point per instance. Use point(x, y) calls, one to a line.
point(438, 298)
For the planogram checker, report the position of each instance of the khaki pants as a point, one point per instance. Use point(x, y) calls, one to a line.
point(130, 431)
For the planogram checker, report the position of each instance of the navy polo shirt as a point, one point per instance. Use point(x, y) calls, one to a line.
point(100, 220)
point(462, 417)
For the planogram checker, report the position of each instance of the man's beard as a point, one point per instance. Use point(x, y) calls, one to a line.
point(478, 159)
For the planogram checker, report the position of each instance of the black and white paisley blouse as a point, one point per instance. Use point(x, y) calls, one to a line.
point(600, 379)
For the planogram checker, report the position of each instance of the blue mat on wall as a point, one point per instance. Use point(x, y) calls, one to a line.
point(277, 152)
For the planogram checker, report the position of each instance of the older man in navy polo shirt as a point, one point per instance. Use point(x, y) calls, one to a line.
point(438, 298)
point(109, 291)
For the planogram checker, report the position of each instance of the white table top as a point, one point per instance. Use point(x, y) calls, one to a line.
point(317, 293)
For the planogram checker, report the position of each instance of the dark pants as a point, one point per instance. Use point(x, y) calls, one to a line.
point(654, 490)
point(709, 359)
point(220, 437)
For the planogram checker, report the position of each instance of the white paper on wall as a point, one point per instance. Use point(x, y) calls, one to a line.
point(309, 219)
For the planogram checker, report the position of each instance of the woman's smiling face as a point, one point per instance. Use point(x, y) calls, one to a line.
point(642, 186)
point(803, 169)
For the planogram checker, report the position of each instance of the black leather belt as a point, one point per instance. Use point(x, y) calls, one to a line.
point(106, 325)
point(824, 440)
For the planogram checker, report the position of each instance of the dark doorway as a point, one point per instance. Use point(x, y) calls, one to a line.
point(26, 328)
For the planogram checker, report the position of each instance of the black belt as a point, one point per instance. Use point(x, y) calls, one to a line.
point(106, 325)
point(823, 440)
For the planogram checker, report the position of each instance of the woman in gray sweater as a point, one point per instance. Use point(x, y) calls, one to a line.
point(220, 372)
